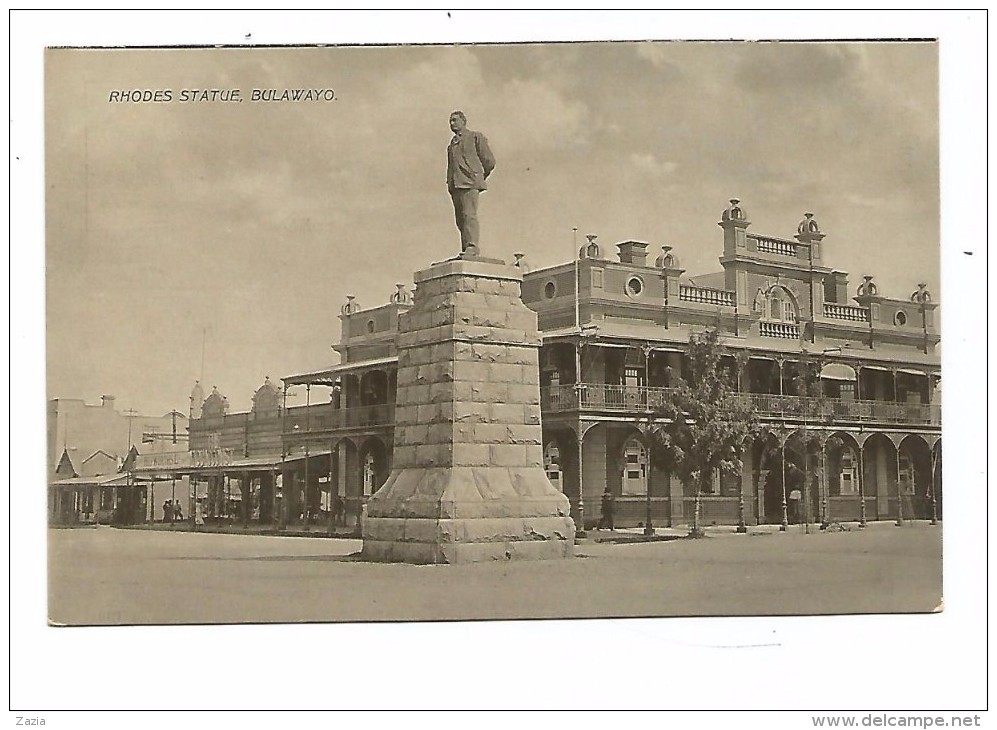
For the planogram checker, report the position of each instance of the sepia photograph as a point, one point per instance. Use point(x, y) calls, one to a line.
point(375, 334)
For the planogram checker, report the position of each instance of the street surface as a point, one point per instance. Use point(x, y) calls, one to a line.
point(115, 576)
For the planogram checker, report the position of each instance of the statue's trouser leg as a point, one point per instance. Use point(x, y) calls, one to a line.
point(465, 203)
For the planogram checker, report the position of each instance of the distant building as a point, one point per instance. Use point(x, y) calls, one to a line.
point(88, 444)
point(613, 333)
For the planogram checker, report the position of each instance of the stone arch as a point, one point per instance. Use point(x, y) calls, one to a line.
point(880, 473)
point(936, 480)
point(374, 465)
point(775, 298)
point(373, 388)
point(842, 454)
point(766, 473)
point(915, 456)
point(802, 475)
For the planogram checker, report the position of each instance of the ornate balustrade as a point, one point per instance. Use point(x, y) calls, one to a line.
point(774, 245)
point(705, 295)
point(781, 330)
point(846, 312)
point(643, 399)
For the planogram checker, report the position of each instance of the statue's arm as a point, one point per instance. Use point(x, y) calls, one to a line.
point(485, 155)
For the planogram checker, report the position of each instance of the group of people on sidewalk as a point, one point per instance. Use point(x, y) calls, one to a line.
point(172, 511)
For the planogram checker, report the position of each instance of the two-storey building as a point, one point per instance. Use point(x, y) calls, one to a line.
point(614, 329)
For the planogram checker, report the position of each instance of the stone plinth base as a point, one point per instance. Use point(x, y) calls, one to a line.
point(468, 482)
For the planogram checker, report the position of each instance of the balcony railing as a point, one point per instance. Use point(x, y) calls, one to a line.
point(845, 311)
point(705, 295)
point(587, 396)
point(342, 418)
point(781, 330)
point(774, 245)
point(644, 399)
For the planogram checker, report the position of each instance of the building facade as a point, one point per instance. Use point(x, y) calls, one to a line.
point(88, 453)
point(614, 330)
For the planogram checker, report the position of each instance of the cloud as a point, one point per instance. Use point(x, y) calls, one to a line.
point(651, 165)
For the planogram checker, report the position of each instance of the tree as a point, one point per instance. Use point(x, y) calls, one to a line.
point(703, 424)
point(814, 410)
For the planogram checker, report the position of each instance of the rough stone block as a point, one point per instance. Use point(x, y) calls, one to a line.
point(468, 412)
point(524, 434)
point(508, 455)
point(471, 454)
point(529, 375)
point(499, 372)
point(475, 372)
point(505, 413)
point(441, 392)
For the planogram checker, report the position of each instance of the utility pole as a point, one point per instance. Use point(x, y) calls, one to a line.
point(130, 413)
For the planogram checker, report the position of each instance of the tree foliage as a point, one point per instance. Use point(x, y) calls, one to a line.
point(704, 424)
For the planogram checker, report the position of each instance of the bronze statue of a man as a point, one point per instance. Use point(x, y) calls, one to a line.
point(469, 163)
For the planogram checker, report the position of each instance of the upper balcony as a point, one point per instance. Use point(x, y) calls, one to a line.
point(641, 401)
point(329, 420)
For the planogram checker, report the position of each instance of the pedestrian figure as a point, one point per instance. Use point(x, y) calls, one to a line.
point(338, 517)
point(178, 512)
point(167, 511)
point(794, 506)
point(608, 501)
point(199, 515)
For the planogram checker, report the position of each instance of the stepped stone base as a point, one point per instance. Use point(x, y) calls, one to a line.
point(468, 482)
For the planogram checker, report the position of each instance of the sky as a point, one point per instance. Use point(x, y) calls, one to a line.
point(236, 230)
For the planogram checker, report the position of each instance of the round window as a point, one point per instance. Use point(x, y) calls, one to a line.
point(635, 286)
point(900, 319)
point(370, 326)
point(550, 290)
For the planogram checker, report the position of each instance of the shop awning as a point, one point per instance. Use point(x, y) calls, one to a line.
point(838, 371)
point(329, 375)
point(104, 480)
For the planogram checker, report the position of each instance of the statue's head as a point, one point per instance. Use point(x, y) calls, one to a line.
point(458, 121)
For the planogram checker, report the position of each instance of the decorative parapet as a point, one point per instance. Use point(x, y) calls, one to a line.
point(705, 295)
point(775, 246)
point(846, 312)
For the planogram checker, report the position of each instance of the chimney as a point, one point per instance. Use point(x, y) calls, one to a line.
point(107, 401)
point(633, 252)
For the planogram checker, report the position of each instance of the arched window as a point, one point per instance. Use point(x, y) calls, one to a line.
point(780, 306)
point(634, 468)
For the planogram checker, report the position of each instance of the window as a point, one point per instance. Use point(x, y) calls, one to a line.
point(634, 286)
point(634, 468)
point(847, 391)
point(370, 326)
point(368, 475)
point(552, 464)
point(779, 306)
point(900, 319)
point(550, 290)
point(848, 477)
point(906, 474)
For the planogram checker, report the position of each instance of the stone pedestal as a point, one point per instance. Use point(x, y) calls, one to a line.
point(468, 482)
